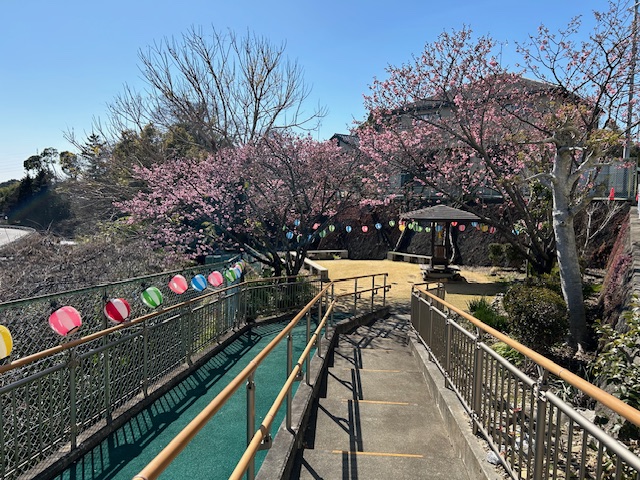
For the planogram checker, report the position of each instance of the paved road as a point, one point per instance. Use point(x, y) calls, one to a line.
point(8, 235)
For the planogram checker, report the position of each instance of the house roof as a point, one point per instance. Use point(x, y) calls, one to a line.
point(348, 139)
point(440, 213)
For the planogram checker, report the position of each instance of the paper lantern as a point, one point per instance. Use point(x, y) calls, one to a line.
point(348, 228)
point(178, 284)
point(492, 229)
point(427, 229)
point(230, 275)
point(117, 310)
point(296, 223)
point(484, 228)
point(462, 227)
point(65, 320)
point(454, 224)
point(316, 226)
point(323, 234)
point(612, 194)
point(151, 297)
point(199, 283)
point(419, 228)
point(216, 279)
point(239, 266)
point(392, 223)
point(365, 229)
point(6, 342)
point(474, 224)
point(332, 228)
point(401, 227)
point(237, 271)
point(378, 226)
point(289, 235)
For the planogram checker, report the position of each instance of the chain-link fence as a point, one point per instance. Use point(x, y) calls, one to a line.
point(51, 403)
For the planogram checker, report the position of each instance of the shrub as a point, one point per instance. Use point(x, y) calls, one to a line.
point(616, 367)
point(508, 353)
point(487, 313)
point(537, 316)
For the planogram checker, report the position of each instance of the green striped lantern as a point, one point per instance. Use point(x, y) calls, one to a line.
point(230, 275)
point(151, 297)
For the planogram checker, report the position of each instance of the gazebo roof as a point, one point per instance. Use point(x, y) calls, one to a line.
point(440, 213)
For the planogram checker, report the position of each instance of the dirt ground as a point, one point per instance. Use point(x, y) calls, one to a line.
point(476, 282)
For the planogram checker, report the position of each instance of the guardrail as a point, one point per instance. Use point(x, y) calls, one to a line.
point(533, 432)
point(326, 301)
point(53, 400)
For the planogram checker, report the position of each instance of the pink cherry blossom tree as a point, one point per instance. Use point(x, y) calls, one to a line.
point(461, 124)
point(272, 198)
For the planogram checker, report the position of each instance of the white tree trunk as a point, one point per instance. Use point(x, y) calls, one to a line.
point(567, 251)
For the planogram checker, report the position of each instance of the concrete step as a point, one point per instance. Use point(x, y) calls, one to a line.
point(375, 418)
point(330, 465)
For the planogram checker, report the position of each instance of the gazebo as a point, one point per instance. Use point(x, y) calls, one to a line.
point(440, 218)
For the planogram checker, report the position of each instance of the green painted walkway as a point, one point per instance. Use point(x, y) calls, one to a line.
point(214, 452)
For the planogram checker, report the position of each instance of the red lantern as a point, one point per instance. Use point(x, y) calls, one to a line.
point(215, 279)
point(454, 224)
point(612, 194)
point(178, 284)
point(365, 229)
point(117, 310)
point(65, 320)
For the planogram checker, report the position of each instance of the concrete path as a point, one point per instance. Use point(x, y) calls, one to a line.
point(376, 418)
point(8, 235)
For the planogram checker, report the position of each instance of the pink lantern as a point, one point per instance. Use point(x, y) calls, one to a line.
point(117, 310)
point(178, 284)
point(454, 224)
point(215, 279)
point(65, 320)
point(461, 227)
point(365, 229)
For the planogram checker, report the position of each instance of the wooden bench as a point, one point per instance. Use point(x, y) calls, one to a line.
point(408, 257)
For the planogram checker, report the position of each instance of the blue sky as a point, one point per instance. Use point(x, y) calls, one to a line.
point(62, 62)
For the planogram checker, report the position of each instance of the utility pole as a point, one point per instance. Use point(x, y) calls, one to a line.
point(632, 74)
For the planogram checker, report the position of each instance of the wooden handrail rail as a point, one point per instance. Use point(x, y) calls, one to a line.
point(265, 426)
point(88, 338)
point(180, 441)
point(606, 399)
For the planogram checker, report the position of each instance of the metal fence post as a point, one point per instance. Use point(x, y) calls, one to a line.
point(541, 426)
point(355, 296)
point(333, 298)
point(72, 364)
point(477, 386)
point(384, 290)
point(307, 360)
point(447, 341)
point(251, 421)
point(145, 358)
point(289, 368)
point(373, 290)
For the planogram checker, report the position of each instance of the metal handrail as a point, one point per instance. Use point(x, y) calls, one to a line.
point(606, 399)
point(265, 427)
point(180, 441)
